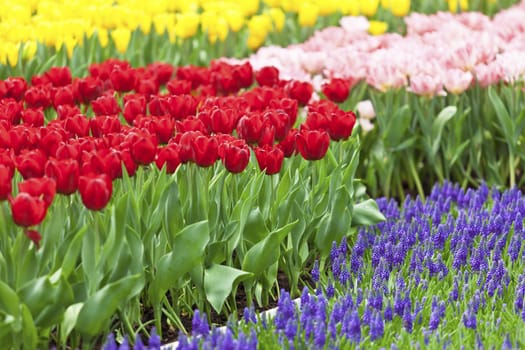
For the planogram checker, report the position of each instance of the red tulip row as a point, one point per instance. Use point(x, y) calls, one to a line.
point(154, 114)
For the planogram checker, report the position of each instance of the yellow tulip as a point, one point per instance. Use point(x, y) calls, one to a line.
point(308, 14)
point(121, 37)
point(278, 18)
point(327, 7)
point(387, 4)
point(255, 41)
point(259, 25)
point(103, 37)
point(187, 25)
point(11, 53)
point(350, 7)
point(235, 19)
point(248, 7)
point(400, 8)
point(377, 27)
point(162, 22)
point(456, 5)
point(272, 3)
point(369, 7)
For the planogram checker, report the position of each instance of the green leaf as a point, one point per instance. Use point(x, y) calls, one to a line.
point(504, 119)
point(188, 251)
point(367, 213)
point(265, 253)
point(29, 334)
point(219, 282)
point(438, 124)
point(96, 312)
point(9, 302)
point(71, 257)
point(46, 300)
point(69, 321)
point(255, 227)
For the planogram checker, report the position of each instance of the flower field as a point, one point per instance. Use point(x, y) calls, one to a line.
point(171, 170)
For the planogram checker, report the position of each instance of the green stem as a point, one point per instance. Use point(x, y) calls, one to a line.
point(413, 170)
point(512, 169)
point(172, 315)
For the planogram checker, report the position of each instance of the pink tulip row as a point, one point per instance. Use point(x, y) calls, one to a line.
point(440, 53)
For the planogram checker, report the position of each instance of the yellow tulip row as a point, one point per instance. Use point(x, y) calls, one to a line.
point(67, 23)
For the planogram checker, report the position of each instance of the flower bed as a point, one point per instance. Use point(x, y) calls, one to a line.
point(443, 272)
point(167, 227)
point(415, 139)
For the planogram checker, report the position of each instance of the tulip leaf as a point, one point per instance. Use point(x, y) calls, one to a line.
point(367, 213)
point(29, 334)
point(266, 252)
point(96, 312)
point(46, 300)
point(69, 321)
point(219, 282)
point(255, 227)
point(504, 118)
point(188, 250)
point(9, 302)
point(70, 259)
point(438, 124)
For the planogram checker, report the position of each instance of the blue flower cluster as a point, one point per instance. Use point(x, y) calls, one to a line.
point(439, 272)
point(153, 343)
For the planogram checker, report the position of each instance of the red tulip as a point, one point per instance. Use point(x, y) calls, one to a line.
point(33, 117)
point(87, 89)
point(288, 145)
point(313, 144)
point(59, 76)
point(250, 127)
point(341, 125)
point(31, 163)
point(222, 120)
point(244, 74)
point(147, 87)
point(316, 121)
point(289, 105)
point(104, 124)
point(191, 124)
point(336, 90)
point(27, 210)
point(179, 87)
point(68, 151)
point(95, 190)
point(163, 127)
point(105, 105)
point(161, 71)
point(133, 108)
point(10, 110)
point(23, 138)
point(205, 150)
point(16, 87)
point(92, 163)
point(65, 111)
point(123, 80)
point(50, 141)
point(143, 148)
point(270, 159)
point(6, 177)
point(63, 96)
point(235, 156)
point(112, 163)
point(267, 76)
point(5, 137)
point(168, 156)
point(300, 91)
point(280, 121)
point(65, 173)
point(37, 96)
point(42, 187)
